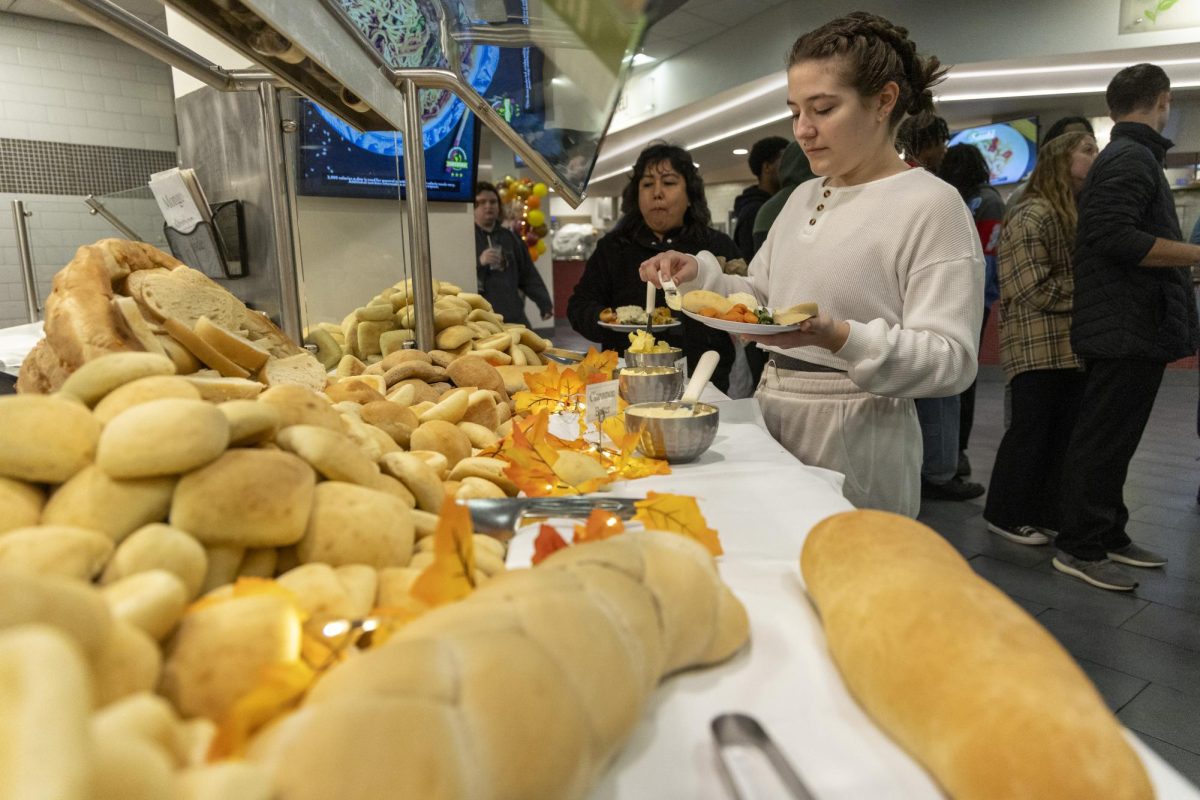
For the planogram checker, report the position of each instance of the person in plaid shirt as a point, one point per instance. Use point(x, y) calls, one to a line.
point(1047, 378)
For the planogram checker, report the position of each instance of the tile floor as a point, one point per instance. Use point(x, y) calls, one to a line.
point(1142, 650)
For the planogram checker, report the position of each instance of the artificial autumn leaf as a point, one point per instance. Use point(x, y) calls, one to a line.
point(679, 514)
point(280, 688)
point(625, 462)
point(600, 525)
point(247, 587)
point(533, 464)
point(451, 576)
point(597, 366)
point(548, 541)
point(550, 391)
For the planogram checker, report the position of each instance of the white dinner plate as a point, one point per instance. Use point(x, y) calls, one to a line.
point(624, 328)
point(742, 327)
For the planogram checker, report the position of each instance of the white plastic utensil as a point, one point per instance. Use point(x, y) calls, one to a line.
point(704, 370)
point(671, 291)
point(649, 306)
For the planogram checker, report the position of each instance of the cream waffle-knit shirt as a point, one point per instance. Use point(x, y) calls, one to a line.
point(898, 258)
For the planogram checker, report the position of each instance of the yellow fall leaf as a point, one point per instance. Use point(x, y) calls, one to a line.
point(281, 687)
point(679, 514)
point(600, 525)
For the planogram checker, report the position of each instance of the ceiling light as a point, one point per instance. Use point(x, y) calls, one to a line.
point(1047, 92)
point(641, 60)
point(996, 73)
point(741, 151)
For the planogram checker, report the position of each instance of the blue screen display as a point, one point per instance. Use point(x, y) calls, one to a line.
point(1009, 148)
point(336, 160)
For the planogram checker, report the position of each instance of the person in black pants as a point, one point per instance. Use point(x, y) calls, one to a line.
point(1134, 313)
point(504, 272)
point(1045, 375)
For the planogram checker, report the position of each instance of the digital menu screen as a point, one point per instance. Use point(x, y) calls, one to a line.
point(1009, 148)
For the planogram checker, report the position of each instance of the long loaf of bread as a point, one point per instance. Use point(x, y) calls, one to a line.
point(957, 673)
point(525, 690)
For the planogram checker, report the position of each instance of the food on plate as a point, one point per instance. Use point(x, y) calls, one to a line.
point(574, 646)
point(744, 307)
point(635, 315)
point(942, 660)
point(668, 411)
point(644, 342)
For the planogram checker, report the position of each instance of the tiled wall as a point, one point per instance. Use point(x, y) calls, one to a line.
point(80, 113)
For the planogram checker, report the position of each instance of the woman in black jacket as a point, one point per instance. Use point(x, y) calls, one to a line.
point(663, 208)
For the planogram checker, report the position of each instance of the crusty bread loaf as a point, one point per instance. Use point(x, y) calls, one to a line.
point(526, 689)
point(957, 673)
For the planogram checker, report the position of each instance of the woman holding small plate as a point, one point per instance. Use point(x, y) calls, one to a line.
point(890, 255)
point(663, 208)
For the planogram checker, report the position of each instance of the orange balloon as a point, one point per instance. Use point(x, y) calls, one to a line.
point(533, 201)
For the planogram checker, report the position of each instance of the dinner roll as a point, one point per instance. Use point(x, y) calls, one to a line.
point(45, 439)
point(334, 455)
point(56, 550)
point(152, 600)
point(71, 606)
point(162, 437)
point(442, 437)
point(20, 504)
point(98, 377)
point(354, 525)
point(250, 422)
point(246, 498)
point(92, 499)
point(159, 546)
point(130, 663)
point(142, 390)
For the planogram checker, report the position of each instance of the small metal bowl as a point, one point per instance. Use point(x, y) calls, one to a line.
point(665, 359)
point(677, 439)
point(650, 384)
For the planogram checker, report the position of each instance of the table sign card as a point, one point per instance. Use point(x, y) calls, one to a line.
point(601, 400)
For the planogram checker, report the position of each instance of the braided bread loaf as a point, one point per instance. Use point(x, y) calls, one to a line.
point(525, 690)
point(957, 673)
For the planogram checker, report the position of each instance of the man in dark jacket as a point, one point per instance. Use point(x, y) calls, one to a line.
point(764, 163)
point(503, 269)
point(1134, 312)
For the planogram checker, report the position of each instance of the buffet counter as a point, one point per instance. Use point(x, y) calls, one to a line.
point(763, 502)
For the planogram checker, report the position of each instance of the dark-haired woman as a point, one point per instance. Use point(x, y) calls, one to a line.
point(965, 169)
point(662, 208)
point(888, 252)
point(1037, 288)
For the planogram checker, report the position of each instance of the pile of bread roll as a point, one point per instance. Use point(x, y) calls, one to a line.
point(118, 296)
point(464, 323)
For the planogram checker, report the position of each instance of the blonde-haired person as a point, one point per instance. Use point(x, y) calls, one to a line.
point(889, 253)
point(1046, 377)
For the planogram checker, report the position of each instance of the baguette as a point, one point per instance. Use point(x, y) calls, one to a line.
point(957, 673)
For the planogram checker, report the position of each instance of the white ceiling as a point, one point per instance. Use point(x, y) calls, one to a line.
point(698, 21)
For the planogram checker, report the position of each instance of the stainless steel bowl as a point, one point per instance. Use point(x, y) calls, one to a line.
point(677, 439)
point(666, 359)
point(665, 383)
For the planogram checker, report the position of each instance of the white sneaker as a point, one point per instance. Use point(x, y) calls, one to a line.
point(1021, 534)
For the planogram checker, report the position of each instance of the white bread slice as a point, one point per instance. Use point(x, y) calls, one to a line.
point(796, 313)
point(185, 362)
point(180, 295)
point(202, 350)
point(127, 309)
point(302, 369)
point(237, 349)
point(136, 280)
point(218, 390)
point(261, 330)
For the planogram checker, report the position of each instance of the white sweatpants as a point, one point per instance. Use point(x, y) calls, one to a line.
point(825, 420)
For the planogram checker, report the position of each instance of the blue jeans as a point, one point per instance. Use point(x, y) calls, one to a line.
point(939, 417)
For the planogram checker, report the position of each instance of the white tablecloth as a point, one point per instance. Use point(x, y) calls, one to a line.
point(763, 502)
point(15, 344)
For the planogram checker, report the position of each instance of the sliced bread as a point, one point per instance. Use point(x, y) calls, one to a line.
point(178, 295)
point(128, 309)
point(237, 349)
point(302, 369)
point(202, 350)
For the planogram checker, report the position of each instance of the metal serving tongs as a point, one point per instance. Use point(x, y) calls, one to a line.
point(751, 764)
point(499, 517)
point(562, 355)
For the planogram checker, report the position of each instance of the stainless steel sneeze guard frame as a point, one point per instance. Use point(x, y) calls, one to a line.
point(317, 51)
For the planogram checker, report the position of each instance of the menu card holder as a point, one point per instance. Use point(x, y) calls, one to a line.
point(218, 249)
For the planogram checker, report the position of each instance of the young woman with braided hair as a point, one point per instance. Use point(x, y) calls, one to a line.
point(889, 253)
point(1037, 287)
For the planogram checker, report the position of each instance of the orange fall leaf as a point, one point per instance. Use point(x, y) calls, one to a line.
point(600, 524)
point(451, 576)
point(548, 541)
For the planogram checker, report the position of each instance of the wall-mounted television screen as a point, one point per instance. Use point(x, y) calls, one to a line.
point(336, 160)
point(1009, 148)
